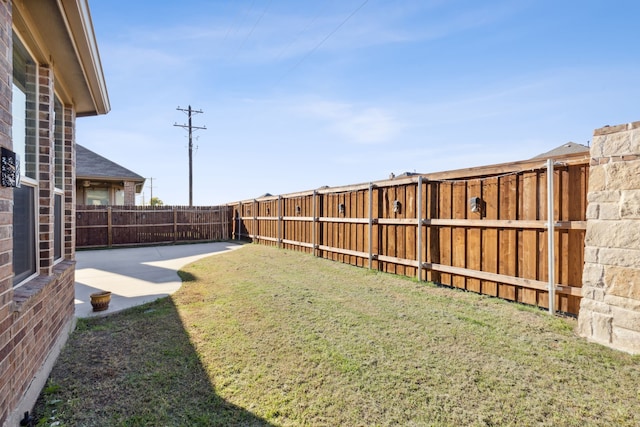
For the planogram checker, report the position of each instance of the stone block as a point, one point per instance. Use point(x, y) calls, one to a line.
point(622, 302)
point(601, 327)
point(593, 211)
point(607, 196)
point(623, 175)
point(593, 275)
point(592, 306)
point(598, 294)
point(620, 143)
point(597, 178)
point(624, 318)
point(587, 292)
point(625, 340)
point(619, 257)
point(609, 211)
point(591, 254)
point(613, 234)
point(592, 293)
point(584, 328)
point(606, 130)
point(630, 204)
point(622, 281)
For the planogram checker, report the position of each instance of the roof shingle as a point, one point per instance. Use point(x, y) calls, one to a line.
point(92, 165)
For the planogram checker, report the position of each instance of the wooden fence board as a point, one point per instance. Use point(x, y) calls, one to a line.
point(409, 211)
point(361, 238)
point(530, 237)
point(506, 188)
point(102, 226)
point(499, 251)
point(489, 238)
point(376, 234)
point(474, 236)
point(433, 233)
point(446, 233)
point(391, 230)
point(459, 238)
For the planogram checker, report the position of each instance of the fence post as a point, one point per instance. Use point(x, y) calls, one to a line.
point(314, 224)
point(419, 237)
point(551, 237)
point(370, 225)
point(109, 227)
point(256, 231)
point(239, 218)
point(279, 229)
point(175, 224)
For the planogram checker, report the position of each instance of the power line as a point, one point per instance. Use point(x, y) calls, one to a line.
point(254, 26)
point(304, 30)
point(231, 24)
point(241, 18)
point(356, 10)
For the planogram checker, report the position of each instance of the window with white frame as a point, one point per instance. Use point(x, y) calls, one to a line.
point(23, 110)
point(97, 196)
point(58, 161)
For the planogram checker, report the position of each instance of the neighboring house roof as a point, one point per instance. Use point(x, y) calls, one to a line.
point(564, 149)
point(90, 165)
point(63, 30)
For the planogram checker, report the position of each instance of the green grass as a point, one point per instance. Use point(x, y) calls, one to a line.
point(261, 336)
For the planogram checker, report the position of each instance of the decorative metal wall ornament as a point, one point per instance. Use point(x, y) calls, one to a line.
point(10, 168)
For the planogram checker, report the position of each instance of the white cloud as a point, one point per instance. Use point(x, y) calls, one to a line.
point(362, 125)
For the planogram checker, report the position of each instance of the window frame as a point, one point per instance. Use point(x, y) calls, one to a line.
point(20, 48)
point(21, 278)
point(58, 179)
point(58, 227)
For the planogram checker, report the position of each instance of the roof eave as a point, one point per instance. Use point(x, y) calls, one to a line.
point(79, 18)
point(60, 34)
point(109, 178)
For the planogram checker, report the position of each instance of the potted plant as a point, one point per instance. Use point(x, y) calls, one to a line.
point(100, 300)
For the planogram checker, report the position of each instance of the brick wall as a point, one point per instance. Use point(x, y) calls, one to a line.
point(610, 307)
point(6, 218)
point(42, 314)
point(129, 193)
point(35, 318)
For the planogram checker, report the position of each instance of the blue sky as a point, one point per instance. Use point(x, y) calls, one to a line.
point(300, 94)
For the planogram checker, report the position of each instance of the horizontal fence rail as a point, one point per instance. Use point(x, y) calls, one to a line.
point(109, 226)
point(486, 230)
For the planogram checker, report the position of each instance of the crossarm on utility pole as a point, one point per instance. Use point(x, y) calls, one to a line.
point(190, 112)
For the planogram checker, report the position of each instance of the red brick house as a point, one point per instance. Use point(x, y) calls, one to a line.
point(51, 74)
point(100, 181)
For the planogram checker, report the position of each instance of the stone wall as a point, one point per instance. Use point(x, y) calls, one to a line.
point(610, 307)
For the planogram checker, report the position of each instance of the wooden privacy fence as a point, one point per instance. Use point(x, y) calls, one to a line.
point(108, 226)
point(483, 229)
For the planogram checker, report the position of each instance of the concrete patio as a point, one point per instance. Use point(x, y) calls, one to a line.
point(135, 276)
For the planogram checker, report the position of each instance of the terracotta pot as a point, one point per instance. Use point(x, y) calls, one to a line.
point(100, 300)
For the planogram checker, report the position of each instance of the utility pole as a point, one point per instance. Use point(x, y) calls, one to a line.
point(151, 179)
point(190, 128)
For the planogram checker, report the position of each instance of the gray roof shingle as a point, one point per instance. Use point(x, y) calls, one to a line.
point(567, 148)
point(92, 165)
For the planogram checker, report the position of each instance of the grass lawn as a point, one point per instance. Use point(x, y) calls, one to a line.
point(261, 336)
